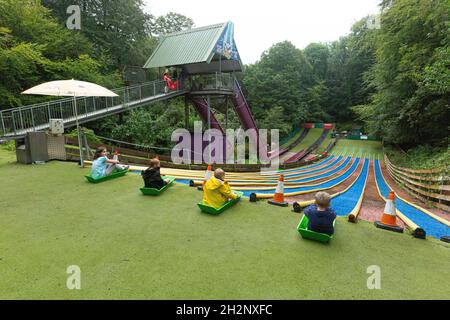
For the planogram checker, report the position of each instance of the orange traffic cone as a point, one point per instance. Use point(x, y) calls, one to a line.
point(278, 197)
point(208, 176)
point(389, 219)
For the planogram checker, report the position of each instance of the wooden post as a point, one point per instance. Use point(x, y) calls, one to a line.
point(226, 113)
point(3, 123)
point(186, 112)
point(208, 99)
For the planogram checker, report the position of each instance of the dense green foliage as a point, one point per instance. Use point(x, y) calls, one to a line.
point(281, 80)
point(152, 126)
point(9, 146)
point(117, 29)
point(410, 78)
point(420, 157)
point(120, 29)
point(171, 22)
point(89, 133)
point(34, 48)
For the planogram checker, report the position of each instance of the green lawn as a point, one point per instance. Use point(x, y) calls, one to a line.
point(358, 148)
point(131, 246)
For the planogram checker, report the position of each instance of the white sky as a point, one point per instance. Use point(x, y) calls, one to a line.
point(258, 24)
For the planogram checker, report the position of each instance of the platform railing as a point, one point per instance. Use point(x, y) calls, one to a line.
point(36, 117)
point(217, 81)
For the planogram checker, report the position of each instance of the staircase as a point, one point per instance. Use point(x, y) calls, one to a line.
point(16, 122)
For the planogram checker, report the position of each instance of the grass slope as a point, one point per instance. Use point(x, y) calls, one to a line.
point(358, 148)
point(131, 246)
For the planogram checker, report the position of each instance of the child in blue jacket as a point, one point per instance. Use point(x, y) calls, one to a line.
point(321, 216)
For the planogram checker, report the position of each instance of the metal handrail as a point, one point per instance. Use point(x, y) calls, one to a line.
point(217, 81)
point(23, 119)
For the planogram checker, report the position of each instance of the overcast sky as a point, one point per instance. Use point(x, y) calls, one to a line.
point(260, 24)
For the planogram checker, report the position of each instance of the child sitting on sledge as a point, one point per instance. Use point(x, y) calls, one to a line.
point(320, 215)
point(216, 191)
point(152, 177)
point(102, 166)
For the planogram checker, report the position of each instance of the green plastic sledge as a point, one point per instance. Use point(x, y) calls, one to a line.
point(211, 210)
point(308, 234)
point(113, 175)
point(157, 192)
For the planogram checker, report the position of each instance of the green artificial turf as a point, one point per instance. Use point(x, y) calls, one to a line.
point(292, 139)
point(310, 138)
point(359, 148)
point(135, 247)
point(324, 144)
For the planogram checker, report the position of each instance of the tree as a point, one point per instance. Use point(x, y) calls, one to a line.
point(317, 55)
point(281, 78)
point(410, 104)
point(152, 126)
point(171, 22)
point(349, 60)
point(118, 28)
point(35, 49)
point(274, 119)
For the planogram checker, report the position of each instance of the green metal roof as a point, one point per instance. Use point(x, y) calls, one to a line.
point(193, 49)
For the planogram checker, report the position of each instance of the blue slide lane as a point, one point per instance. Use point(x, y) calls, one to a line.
point(326, 184)
point(345, 163)
point(431, 226)
point(262, 182)
point(183, 181)
point(294, 174)
point(336, 160)
point(330, 158)
point(344, 203)
point(326, 174)
point(316, 177)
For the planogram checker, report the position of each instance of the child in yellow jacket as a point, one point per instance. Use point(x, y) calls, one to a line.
point(216, 191)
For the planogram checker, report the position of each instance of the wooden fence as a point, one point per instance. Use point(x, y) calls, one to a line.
point(431, 185)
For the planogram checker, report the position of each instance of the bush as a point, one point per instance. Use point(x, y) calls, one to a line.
point(90, 135)
point(9, 145)
point(420, 157)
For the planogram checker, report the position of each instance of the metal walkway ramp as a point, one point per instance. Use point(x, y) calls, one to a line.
point(17, 122)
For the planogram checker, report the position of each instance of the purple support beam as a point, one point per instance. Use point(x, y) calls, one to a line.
point(202, 108)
